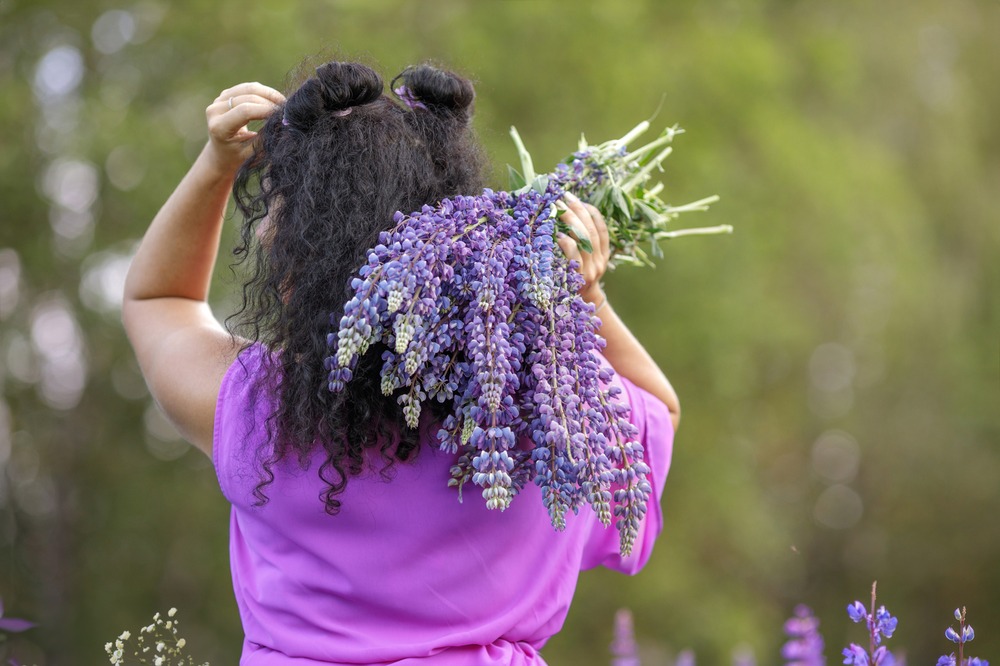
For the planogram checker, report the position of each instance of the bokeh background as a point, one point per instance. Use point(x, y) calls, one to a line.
point(837, 357)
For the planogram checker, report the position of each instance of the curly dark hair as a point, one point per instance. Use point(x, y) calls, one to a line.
point(329, 170)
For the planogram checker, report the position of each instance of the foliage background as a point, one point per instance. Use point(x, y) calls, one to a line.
point(837, 357)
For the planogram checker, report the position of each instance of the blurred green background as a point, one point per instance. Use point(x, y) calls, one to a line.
point(837, 357)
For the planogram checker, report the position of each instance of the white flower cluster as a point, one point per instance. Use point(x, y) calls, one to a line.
point(157, 644)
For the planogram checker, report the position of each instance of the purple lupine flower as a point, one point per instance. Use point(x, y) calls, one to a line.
point(479, 309)
point(856, 655)
point(457, 297)
point(805, 644)
point(857, 611)
point(879, 623)
point(624, 650)
point(13, 625)
point(744, 656)
point(964, 635)
point(885, 623)
point(685, 658)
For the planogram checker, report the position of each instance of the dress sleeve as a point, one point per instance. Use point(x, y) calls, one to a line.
point(656, 434)
point(238, 412)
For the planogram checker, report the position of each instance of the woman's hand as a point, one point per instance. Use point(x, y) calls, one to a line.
point(592, 264)
point(230, 141)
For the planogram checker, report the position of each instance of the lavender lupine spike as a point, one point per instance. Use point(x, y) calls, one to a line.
point(685, 658)
point(744, 656)
point(965, 634)
point(624, 650)
point(478, 309)
point(805, 644)
point(879, 623)
point(13, 625)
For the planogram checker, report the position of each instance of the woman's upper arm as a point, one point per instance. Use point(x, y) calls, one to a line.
point(184, 353)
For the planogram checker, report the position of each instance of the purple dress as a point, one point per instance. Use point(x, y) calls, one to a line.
point(405, 574)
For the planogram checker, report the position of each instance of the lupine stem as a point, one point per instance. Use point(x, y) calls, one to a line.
point(961, 636)
point(700, 205)
point(644, 172)
point(699, 231)
point(527, 168)
point(872, 627)
point(634, 132)
point(652, 145)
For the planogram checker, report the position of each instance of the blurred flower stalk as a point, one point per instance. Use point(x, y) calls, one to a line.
point(805, 644)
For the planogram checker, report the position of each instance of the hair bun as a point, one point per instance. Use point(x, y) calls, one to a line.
point(337, 86)
point(439, 90)
point(347, 84)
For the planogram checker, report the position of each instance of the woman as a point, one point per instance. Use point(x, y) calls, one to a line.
point(346, 545)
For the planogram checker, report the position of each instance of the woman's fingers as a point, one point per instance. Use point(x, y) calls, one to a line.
point(251, 88)
point(230, 138)
point(236, 106)
point(249, 106)
point(604, 244)
point(230, 103)
point(569, 247)
point(588, 223)
point(227, 124)
point(583, 215)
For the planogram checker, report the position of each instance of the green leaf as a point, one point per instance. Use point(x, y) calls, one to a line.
point(516, 179)
point(582, 237)
point(601, 198)
point(621, 202)
point(655, 247)
point(527, 168)
point(540, 184)
point(647, 212)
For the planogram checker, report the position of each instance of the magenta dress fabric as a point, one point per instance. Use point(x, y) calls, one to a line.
point(405, 574)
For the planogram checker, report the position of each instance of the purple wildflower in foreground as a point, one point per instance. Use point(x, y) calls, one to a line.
point(624, 650)
point(805, 644)
point(685, 658)
point(743, 656)
point(479, 308)
point(964, 635)
point(13, 625)
point(880, 623)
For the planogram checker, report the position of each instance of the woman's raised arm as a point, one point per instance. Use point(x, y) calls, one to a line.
point(182, 349)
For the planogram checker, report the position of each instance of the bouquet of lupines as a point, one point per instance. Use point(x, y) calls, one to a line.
point(479, 307)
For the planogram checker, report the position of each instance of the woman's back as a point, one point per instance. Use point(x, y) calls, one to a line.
point(404, 573)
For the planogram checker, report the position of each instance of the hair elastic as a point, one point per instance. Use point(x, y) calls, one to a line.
point(407, 97)
point(339, 114)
